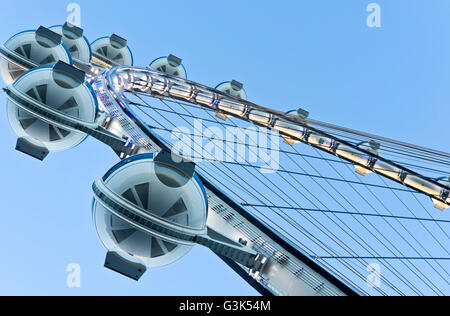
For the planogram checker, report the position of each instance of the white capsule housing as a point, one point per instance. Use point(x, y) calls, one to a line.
point(233, 88)
point(170, 65)
point(31, 49)
point(111, 51)
point(76, 43)
point(56, 91)
point(152, 194)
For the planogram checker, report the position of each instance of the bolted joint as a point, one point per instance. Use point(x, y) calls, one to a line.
point(258, 265)
point(445, 195)
point(402, 176)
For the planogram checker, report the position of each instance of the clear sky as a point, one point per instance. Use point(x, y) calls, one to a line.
point(392, 81)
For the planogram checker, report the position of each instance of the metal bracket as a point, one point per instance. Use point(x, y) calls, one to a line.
point(45, 33)
point(303, 114)
point(127, 268)
point(174, 61)
point(73, 31)
point(117, 41)
point(402, 176)
point(307, 135)
point(236, 85)
point(26, 147)
point(375, 145)
point(334, 146)
point(69, 71)
point(445, 194)
point(372, 162)
point(166, 157)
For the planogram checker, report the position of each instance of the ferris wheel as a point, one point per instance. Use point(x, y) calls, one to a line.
point(309, 223)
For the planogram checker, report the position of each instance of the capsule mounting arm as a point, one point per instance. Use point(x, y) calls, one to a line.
point(27, 147)
point(117, 263)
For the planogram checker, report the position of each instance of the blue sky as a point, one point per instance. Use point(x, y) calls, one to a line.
point(392, 81)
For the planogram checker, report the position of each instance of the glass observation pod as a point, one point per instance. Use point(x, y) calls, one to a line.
point(233, 107)
point(291, 132)
point(438, 204)
point(260, 117)
point(31, 49)
point(76, 43)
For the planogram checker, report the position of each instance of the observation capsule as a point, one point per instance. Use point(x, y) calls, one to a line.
point(77, 44)
point(233, 88)
point(144, 209)
point(40, 101)
point(111, 51)
point(31, 49)
point(170, 65)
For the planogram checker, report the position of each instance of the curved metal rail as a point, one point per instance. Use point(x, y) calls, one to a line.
point(121, 79)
